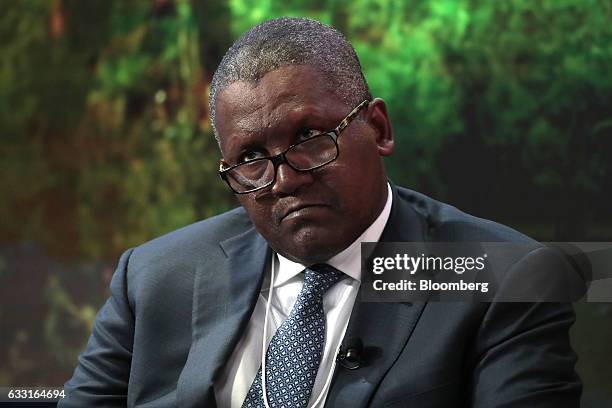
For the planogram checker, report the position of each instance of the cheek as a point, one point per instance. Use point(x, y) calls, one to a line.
point(360, 151)
point(254, 210)
point(260, 215)
point(356, 179)
point(358, 167)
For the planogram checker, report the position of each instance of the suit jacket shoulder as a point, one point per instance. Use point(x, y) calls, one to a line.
point(163, 295)
point(446, 223)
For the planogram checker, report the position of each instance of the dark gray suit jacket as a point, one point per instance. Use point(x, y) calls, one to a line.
point(180, 303)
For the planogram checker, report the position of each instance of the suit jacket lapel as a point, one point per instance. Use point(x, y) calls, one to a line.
point(383, 327)
point(217, 325)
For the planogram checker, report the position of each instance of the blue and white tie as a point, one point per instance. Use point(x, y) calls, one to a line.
point(294, 353)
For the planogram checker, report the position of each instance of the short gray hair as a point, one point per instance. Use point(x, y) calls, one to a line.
point(292, 41)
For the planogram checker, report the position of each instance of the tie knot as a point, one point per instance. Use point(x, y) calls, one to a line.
point(319, 278)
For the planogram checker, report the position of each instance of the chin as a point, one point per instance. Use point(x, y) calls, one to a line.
point(311, 249)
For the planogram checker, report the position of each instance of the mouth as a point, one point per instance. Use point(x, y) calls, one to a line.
point(301, 210)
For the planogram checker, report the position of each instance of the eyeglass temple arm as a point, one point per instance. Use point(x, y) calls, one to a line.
point(351, 116)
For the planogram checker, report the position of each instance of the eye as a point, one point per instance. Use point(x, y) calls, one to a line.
point(251, 155)
point(307, 133)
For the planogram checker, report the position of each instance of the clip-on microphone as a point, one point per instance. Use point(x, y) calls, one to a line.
point(349, 355)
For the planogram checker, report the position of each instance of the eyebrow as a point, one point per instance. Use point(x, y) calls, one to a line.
point(298, 118)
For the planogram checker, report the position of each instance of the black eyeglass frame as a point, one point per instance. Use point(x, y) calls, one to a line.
point(280, 158)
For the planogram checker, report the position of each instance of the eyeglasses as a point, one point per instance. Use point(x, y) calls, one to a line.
point(310, 154)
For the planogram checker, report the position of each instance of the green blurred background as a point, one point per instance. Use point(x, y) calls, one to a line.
point(502, 108)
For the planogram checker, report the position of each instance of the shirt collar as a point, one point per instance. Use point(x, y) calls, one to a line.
point(347, 261)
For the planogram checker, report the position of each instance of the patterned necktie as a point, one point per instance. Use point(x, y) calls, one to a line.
point(294, 353)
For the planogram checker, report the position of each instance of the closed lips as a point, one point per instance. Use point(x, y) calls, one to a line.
point(298, 208)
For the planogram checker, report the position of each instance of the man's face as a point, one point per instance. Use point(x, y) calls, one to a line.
point(306, 216)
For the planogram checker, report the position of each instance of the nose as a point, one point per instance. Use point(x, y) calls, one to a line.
point(289, 180)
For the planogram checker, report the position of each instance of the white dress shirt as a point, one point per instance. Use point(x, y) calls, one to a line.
point(235, 381)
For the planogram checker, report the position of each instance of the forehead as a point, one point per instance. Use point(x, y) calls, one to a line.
point(290, 91)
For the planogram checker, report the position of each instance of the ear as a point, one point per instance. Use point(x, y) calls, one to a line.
point(379, 120)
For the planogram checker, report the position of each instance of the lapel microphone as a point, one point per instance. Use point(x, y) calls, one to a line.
point(350, 353)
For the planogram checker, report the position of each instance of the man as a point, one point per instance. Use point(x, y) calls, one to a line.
point(302, 143)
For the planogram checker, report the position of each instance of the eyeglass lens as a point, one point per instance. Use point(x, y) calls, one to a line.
point(307, 155)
